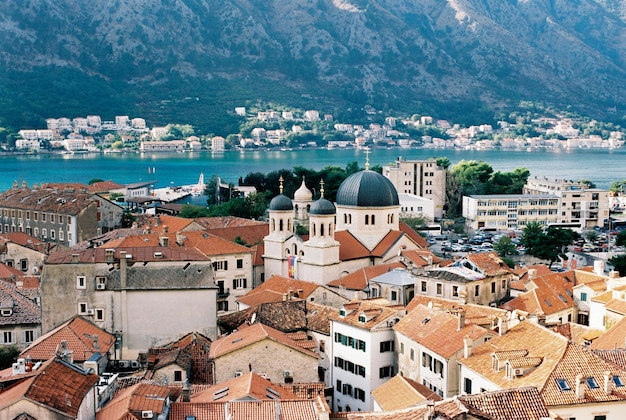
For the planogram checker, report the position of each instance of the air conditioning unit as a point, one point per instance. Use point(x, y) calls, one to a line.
point(288, 374)
point(90, 312)
point(238, 373)
point(147, 414)
point(518, 372)
point(101, 286)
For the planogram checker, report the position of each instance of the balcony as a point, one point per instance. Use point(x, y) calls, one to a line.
point(222, 293)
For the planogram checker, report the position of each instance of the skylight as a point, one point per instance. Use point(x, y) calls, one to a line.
point(592, 383)
point(563, 386)
point(547, 302)
point(617, 380)
point(562, 298)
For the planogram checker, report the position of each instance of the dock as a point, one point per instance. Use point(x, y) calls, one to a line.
point(170, 194)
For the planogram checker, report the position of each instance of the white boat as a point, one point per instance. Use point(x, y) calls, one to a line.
point(198, 189)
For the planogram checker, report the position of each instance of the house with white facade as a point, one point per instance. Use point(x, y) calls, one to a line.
point(363, 352)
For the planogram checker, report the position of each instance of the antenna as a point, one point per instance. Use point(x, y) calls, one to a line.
point(280, 180)
point(367, 158)
point(322, 188)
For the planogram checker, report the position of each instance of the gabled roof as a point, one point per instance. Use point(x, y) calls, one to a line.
point(56, 385)
point(518, 403)
point(616, 305)
point(250, 335)
point(580, 361)
point(350, 247)
point(615, 337)
point(415, 237)
point(319, 316)
point(23, 309)
point(527, 338)
point(577, 333)
point(396, 277)
point(474, 314)
point(276, 287)
point(25, 240)
point(136, 398)
point(104, 186)
point(258, 410)
point(250, 386)
point(140, 254)
point(81, 336)
point(59, 201)
point(421, 257)
point(553, 294)
point(400, 392)
point(376, 311)
point(488, 263)
point(583, 276)
point(286, 316)
point(175, 356)
point(359, 279)
point(229, 227)
point(437, 330)
point(614, 356)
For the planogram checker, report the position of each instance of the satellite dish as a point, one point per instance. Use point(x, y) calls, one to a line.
point(253, 318)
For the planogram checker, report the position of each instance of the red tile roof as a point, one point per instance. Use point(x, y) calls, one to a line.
point(359, 280)
point(553, 294)
point(55, 385)
point(136, 398)
point(81, 336)
point(415, 237)
point(615, 337)
point(246, 410)
point(273, 290)
point(248, 386)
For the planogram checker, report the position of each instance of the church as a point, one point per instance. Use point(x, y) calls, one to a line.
point(361, 229)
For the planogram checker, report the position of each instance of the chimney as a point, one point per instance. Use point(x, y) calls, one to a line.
point(284, 297)
point(580, 387)
point(165, 229)
point(180, 238)
point(467, 347)
point(430, 413)
point(532, 273)
point(502, 326)
point(186, 392)
point(75, 258)
point(461, 319)
point(96, 345)
point(598, 267)
point(157, 220)
point(607, 383)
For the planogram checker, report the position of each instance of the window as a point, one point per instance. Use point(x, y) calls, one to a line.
point(240, 283)
point(178, 376)
point(99, 315)
point(493, 287)
point(387, 346)
point(339, 387)
point(477, 290)
point(439, 288)
point(386, 372)
point(24, 264)
point(412, 353)
point(359, 394)
point(455, 291)
point(60, 219)
point(394, 295)
point(43, 217)
point(220, 265)
point(61, 235)
point(28, 336)
point(52, 218)
point(563, 385)
point(467, 386)
point(583, 297)
point(82, 308)
point(347, 389)
point(81, 282)
point(44, 233)
point(424, 286)
point(618, 381)
point(52, 234)
point(503, 284)
point(240, 263)
point(401, 348)
point(362, 318)
point(8, 337)
point(591, 381)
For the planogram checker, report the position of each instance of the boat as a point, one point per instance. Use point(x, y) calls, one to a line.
point(198, 189)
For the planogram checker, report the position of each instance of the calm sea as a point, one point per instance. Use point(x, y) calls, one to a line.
point(601, 166)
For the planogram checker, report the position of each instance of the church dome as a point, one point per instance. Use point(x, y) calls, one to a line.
point(281, 202)
point(303, 193)
point(322, 206)
point(367, 189)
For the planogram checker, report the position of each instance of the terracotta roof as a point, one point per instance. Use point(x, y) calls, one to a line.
point(142, 254)
point(359, 279)
point(137, 398)
point(474, 314)
point(615, 356)
point(614, 338)
point(7, 272)
point(104, 186)
point(489, 263)
point(81, 336)
point(229, 227)
point(174, 224)
point(177, 357)
point(583, 276)
point(415, 237)
point(446, 409)
point(250, 386)
point(56, 385)
point(223, 222)
point(23, 309)
point(553, 294)
point(306, 391)
point(421, 257)
point(580, 361)
point(273, 290)
point(533, 340)
point(400, 392)
point(350, 247)
point(319, 316)
point(59, 201)
point(376, 311)
point(386, 243)
point(286, 316)
point(617, 306)
point(576, 333)
point(519, 403)
point(252, 334)
point(245, 410)
point(25, 240)
point(438, 330)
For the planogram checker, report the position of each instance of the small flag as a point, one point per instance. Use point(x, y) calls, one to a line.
point(291, 266)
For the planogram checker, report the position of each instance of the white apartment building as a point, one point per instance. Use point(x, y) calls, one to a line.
point(363, 352)
point(423, 178)
point(579, 205)
point(509, 211)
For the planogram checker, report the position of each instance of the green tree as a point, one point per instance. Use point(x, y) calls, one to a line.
point(8, 355)
point(443, 162)
point(549, 244)
point(505, 247)
point(591, 236)
point(619, 263)
point(620, 239)
point(94, 180)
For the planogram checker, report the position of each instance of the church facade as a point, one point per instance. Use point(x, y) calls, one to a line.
point(361, 229)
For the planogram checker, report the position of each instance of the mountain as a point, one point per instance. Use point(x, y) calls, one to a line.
point(191, 61)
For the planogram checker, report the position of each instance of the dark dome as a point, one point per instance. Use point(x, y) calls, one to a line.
point(281, 202)
point(367, 189)
point(322, 206)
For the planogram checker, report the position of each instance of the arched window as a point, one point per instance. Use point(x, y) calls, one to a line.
point(273, 225)
point(280, 225)
point(367, 219)
point(373, 223)
point(322, 229)
point(314, 229)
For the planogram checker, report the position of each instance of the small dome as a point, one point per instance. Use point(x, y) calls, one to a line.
point(303, 193)
point(281, 202)
point(367, 189)
point(322, 206)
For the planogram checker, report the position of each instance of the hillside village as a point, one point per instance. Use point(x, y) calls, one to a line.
point(290, 128)
point(360, 318)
